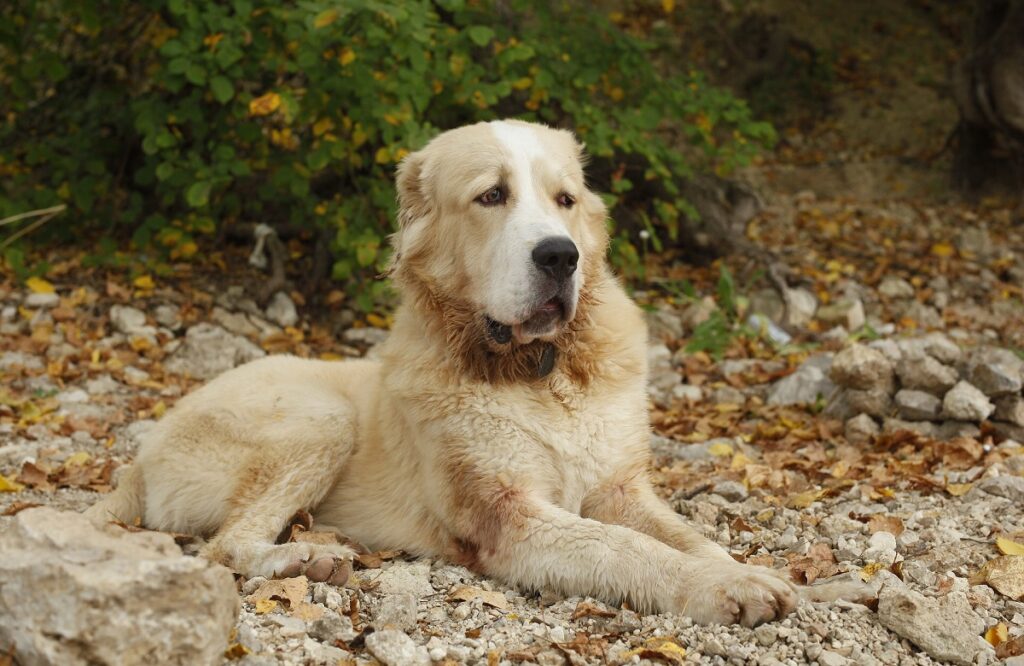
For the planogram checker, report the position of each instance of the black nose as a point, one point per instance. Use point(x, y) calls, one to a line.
point(556, 256)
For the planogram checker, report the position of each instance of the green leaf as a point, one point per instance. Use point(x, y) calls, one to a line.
point(198, 195)
point(480, 34)
point(222, 89)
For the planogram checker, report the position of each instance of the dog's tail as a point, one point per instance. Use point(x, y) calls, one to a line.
point(125, 504)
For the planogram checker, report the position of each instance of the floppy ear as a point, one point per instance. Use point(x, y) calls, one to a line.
point(412, 200)
point(413, 205)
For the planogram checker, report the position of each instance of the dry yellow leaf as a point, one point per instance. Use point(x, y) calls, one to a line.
point(997, 634)
point(307, 611)
point(236, 651)
point(720, 449)
point(943, 250)
point(468, 593)
point(869, 570)
point(264, 105)
point(804, 499)
point(265, 606)
point(76, 459)
point(143, 282)
point(1005, 575)
point(38, 285)
point(8, 486)
point(958, 489)
point(292, 590)
point(346, 56)
point(1009, 547)
point(664, 649)
point(376, 320)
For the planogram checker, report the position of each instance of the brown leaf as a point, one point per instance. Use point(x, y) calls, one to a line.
point(891, 524)
point(292, 590)
point(587, 609)
point(17, 507)
point(37, 477)
point(1011, 648)
point(468, 593)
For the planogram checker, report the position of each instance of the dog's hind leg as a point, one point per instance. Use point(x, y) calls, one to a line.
point(295, 473)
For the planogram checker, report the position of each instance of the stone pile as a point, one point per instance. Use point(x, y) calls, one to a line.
point(927, 385)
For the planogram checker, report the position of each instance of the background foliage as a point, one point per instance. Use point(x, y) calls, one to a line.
point(163, 121)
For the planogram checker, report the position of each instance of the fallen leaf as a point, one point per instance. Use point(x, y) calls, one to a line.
point(587, 609)
point(18, 507)
point(665, 649)
point(1011, 648)
point(958, 489)
point(292, 590)
point(236, 651)
point(1005, 575)
point(869, 570)
point(805, 499)
point(489, 597)
point(997, 634)
point(307, 611)
point(38, 285)
point(8, 486)
point(720, 449)
point(265, 606)
point(1008, 547)
point(264, 105)
point(891, 524)
point(944, 250)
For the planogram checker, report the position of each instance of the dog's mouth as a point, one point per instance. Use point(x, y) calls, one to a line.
point(542, 322)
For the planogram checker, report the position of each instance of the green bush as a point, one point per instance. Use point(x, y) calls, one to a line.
point(164, 120)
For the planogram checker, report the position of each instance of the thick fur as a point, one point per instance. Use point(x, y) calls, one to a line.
point(452, 445)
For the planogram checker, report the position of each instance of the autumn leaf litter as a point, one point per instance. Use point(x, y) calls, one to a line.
point(922, 503)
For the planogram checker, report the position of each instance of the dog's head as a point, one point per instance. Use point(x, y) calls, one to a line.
point(495, 220)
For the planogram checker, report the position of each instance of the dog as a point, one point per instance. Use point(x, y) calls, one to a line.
point(504, 426)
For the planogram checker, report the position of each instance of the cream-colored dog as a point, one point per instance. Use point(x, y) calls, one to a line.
point(505, 426)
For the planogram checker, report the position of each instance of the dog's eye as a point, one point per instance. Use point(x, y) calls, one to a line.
point(565, 200)
point(492, 197)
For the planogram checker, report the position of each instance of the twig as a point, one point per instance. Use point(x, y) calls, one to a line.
point(32, 213)
point(47, 216)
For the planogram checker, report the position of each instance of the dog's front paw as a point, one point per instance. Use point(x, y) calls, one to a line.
point(320, 562)
point(730, 593)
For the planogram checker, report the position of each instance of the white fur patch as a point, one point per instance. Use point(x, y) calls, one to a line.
point(532, 217)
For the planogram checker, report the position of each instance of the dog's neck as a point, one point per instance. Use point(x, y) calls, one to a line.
point(472, 350)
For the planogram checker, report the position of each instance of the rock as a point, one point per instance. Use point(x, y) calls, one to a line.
point(397, 611)
point(925, 315)
point(664, 324)
point(974, 242)
point(687, 392)
point(697, 313)
point(74, 593)
point(41, 300)
point(896, 288)
point(367, 336)
point(1010, 487)
point(954, 429)
point(662, 377)
point(732, 491)
point(889, 348)
point(921, 427)
point(829, 658)
point(806, 385)
point(281, 310)
point(944, 627)
point(860, 429)
point(800, 307)
point(210, 350)
point(939, 346)
point(1008, 431)
point(860, 367)
point(168, 316)
point(233, 322)
point(995, 372)
point(393, 648)
point(917, 405)
point(768, 303)
point(727, 395)
point(924, 373)
point(767, 327)
point(128, 320)
point(964, 402)
point(873, 402)
point(844, 312)
point(332, 626)
point(1010, 408)
point(406, 578)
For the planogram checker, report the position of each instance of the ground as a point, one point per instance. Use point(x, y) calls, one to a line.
point(862, 242)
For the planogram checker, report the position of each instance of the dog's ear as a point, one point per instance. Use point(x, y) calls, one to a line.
point(412, 197)
point(413, 205)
